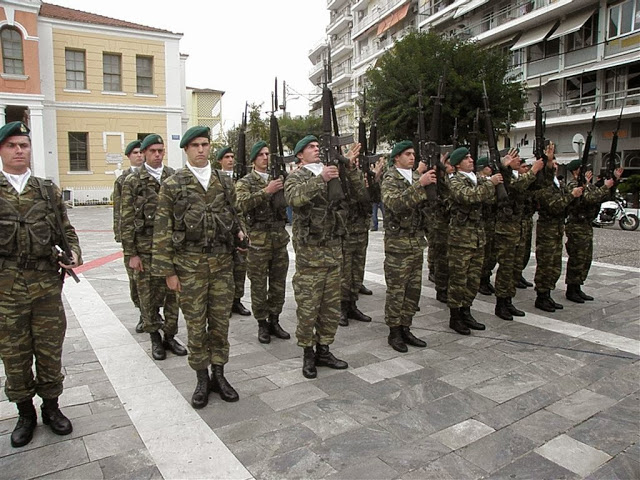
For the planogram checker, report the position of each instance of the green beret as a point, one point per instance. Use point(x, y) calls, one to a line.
point(482, 162)
point(13, 129)
point(132, 146)
point(222, 152)
point(457, 155)
point(400, 147)
point(574, 165)
point(303, 143)
point(194, 132)
point(151, 140)
point(255, 150)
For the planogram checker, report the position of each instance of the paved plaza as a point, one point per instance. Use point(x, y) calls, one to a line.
point(547, 396)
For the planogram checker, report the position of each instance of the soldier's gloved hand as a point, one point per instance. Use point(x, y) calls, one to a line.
point(274, 186)
point(588, 175)
point(428, 178)
point(422, 167)
point(329, 172)
point(354, 151)
point(136, 263)
point(577, 192)
point(550, 151)
point(537, 165)
point(618, 173)
point(73, 264)
point(496, 179)
point(173, 283)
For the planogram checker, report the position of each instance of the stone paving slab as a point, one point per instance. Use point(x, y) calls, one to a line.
point(573, 455)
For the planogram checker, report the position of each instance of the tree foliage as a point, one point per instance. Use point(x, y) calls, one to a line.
point(416, 62)
point(631, 185)
point(292, 129)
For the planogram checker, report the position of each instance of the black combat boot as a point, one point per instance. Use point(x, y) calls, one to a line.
point(484, 286)
point(52, 416)
point(27, 421)
point(442, 296)
point(502, 310)
point(171, 344)
point(354, 313)
point(275, 328)
point(396, 340)
point(157, 348)
point(200, 397)
point(309, 363)
point(324, 358)
point(512, 309)
point(558, 306)
point(584, 296)
point(544, 302)
point(263, 332)
point(344, 316)
point(526, 282)
point(140, 325)
point(364, 290)
point(457, 323)
point(572, 293)
point(220, 385)
point(410, 339)
point(469, 321)
point(239, 308)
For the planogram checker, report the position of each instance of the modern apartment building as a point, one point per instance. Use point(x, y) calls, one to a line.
point(581, 54)
point(87, 85)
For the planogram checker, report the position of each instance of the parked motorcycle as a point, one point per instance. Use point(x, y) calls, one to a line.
point(615, 210)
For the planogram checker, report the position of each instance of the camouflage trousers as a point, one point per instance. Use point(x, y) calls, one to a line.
point(548, 255)
point(153, 294)
point(506, 247)
point(133, 288)
point(239, 274)
point(205, 301)
point(32, 324)
point(580, 251)
point(524, 246)
point(354, 258)
point(490, 253)
point(317, 292)
point(267, 269)
point(465, 265)
point(438, 248)
point(403, 276)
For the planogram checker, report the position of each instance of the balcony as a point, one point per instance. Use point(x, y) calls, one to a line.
point(339, 21)
point(336, 4)
point(542, 67)
point(341, 48)
point(340, 74)
point(361, 25)
point(315, 74)
point(317, 48)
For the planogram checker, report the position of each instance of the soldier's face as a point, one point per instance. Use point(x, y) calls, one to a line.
point(310, 153)
point(15, 152)
point(197, 151)
point(406, 159)
point(466, 165)
point(227, 161)
point(154, 154)
point(136, 158)
point(524, 168)
point(261, 161)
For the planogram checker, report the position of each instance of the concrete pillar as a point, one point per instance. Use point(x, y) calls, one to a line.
point(38, 164)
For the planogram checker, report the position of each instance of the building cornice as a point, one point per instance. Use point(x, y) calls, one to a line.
point(103, 107)
point(109, 30)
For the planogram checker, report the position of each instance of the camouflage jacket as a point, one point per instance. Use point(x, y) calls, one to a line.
point(509, 215)
point(262, 219)
point(585, 209)
point(358, 202)
point(404, 217)
point(191, 223)
point(466, 228)
point(318, 225)
point(438, 212)
point(138, 210)
point(553, 202)
point(29, 230)
point(117, 202)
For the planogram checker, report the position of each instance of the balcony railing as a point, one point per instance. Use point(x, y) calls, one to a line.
point(361, 24)
point(505, 15)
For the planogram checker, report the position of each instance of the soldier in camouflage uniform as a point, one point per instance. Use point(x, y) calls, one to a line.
point(268, 260)
point(553, 199)
point(466, 238)
point(489, 219)
point(524, 246)
point(354, 245)
point(138, 211)
point(226, 157)
point(404, 197)
point(579, 229)
point(197, 231)
point(32, 319)
point(318, 228)
point(438, 231)
point(136, 159)
point(508, 231)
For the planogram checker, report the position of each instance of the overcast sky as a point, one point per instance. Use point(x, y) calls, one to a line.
point(237, 46)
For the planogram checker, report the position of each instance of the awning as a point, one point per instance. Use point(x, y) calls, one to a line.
point(392, 19)
point(472, 5)
point(572, 24)
point(533, 36)
point(631, 57)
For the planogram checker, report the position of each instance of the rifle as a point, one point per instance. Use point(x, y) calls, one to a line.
point(454, 137)
point(429, 151)
point(63, 253)
point(365, 160)
point(539, 143)
point(277, 161)
point(240, 165)
point(582, 179)
point(331, 140)
point(473, 138)
point(494, 153)
point(611, 161)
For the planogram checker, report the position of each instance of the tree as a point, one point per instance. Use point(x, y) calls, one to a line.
point(631, 185)
point(293, 129)
point(416, 62)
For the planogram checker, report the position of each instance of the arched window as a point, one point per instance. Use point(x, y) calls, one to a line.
point(12, 58)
